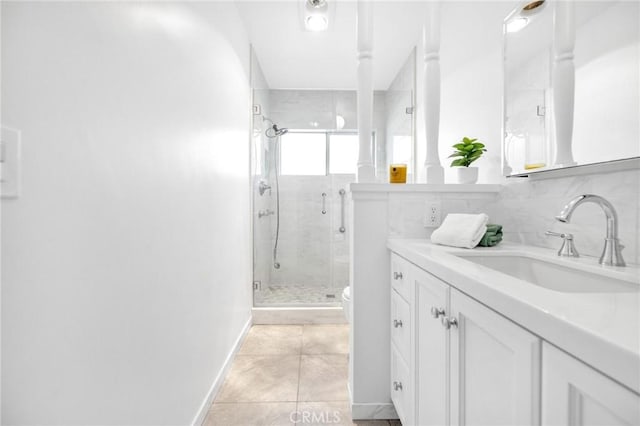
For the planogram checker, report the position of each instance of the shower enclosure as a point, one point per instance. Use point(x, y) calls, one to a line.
point(301, 253)
point(304, 155)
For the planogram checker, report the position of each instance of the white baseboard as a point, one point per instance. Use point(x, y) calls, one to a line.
point(217, 383)
point(373, 411)
point(310, 315)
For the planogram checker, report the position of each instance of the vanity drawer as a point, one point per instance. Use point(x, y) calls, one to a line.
point(401, 325)
point(400, 275)
point(401, 387)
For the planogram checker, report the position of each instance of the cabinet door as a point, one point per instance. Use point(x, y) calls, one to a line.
point(495, 367)
point(575, 394)
point(433, 349)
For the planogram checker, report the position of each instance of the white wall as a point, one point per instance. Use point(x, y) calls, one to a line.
point(471, 90)
point(607, 84)
point(126, 261)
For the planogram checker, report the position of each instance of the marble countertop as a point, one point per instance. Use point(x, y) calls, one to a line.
point(602, 329)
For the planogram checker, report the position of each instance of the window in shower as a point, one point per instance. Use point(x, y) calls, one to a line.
point(305, 153)
point(343, 153)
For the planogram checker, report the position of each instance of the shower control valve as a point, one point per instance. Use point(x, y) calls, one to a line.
point(263, 213)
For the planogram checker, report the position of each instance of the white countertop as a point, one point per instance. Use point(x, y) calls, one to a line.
point(601, 329)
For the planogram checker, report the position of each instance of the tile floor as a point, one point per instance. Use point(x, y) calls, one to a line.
point(288, 375)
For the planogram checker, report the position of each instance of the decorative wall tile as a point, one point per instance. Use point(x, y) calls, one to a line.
point(527, 209)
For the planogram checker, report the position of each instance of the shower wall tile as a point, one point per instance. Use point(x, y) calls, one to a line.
point(311, 250)
point(317, 109)
point(345, 106)
point(311, 101)
point(398, 97)
point(340, 240)
point(304, 109)
point(304, 240)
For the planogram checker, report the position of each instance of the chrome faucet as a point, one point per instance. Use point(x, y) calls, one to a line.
point(611, 254)
point(567, 249)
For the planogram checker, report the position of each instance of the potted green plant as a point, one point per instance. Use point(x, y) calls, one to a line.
point(466, 152)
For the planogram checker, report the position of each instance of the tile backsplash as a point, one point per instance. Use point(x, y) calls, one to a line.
point(527, 208)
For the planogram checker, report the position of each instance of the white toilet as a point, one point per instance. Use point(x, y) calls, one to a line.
point(346, 302)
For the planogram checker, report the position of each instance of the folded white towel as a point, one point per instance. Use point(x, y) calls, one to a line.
point(461, 230)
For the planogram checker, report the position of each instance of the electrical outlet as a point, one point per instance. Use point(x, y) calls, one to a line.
point(432, 214)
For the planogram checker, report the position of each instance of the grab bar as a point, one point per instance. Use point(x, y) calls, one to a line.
point(342, 229)
point(324, 199)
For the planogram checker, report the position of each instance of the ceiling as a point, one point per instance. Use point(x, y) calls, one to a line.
point(293, 58)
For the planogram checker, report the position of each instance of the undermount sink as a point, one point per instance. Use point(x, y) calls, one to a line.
point(551, 275)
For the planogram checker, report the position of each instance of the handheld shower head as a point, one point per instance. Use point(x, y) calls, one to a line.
point(274, 132)
point(280, 132)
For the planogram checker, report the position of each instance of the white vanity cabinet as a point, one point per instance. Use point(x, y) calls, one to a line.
point(402, 340)
point(473, 365)
point(575, 394)
point(492, 362)
point(495, 367)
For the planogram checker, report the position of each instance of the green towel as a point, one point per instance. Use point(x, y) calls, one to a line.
point(492, 236)
point(492, 227)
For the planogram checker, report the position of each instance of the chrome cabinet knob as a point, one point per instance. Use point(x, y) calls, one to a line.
point(397, 323)
point(436, 312)
point(397, 386)
point(448, 322)
point(397, 275)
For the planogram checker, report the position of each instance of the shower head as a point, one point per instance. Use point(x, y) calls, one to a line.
point(274, 132)
point(280, 132)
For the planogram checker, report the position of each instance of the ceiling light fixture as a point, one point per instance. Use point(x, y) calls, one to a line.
point(516, 24)
point(316, 15)
point(523, 15)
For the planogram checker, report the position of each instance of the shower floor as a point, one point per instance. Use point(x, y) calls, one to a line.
point(297, 295)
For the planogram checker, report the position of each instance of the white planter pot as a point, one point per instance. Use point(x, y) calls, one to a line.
point(466, 174)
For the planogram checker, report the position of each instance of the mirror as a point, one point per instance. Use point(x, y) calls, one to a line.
point(601, 40)
point(400, 121)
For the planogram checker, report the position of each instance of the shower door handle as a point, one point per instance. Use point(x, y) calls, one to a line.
point(324, 201)
point(342, 229)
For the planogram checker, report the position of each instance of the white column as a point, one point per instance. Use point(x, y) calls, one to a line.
point(563, 81)
point(433, 171)
point(366, 169)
